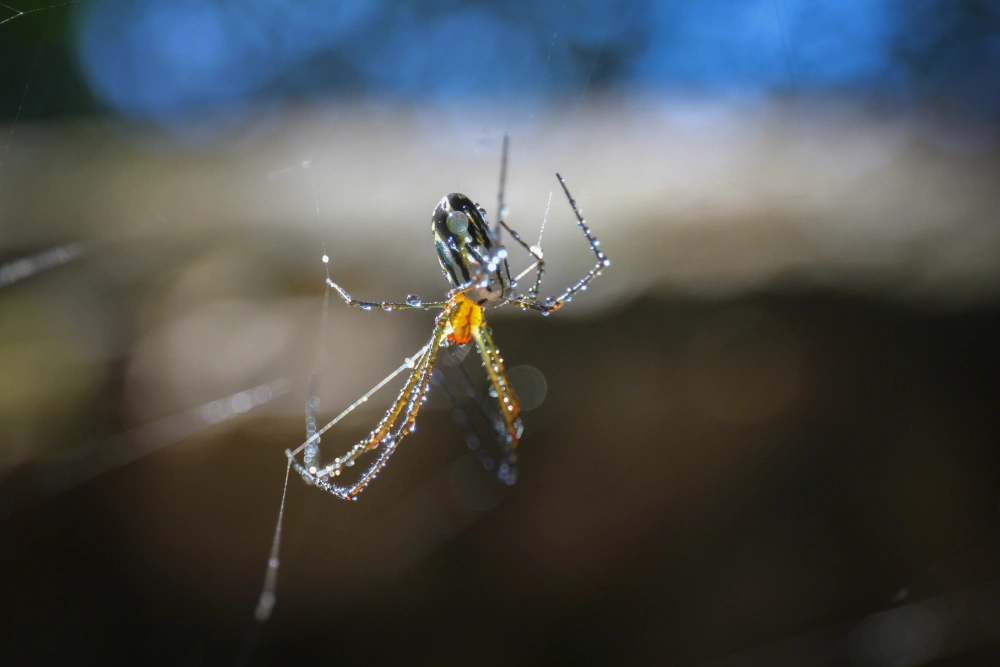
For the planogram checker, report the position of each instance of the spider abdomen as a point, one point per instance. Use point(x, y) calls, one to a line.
point(467, 253)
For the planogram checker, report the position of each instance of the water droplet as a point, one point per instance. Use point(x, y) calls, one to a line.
point(365, 306)
point(385, 306)
point(607, 262)
point(502, 253)
point(457, 222)
point(504, 211)
point(414, 300)
point(493, 391)
point(326, 259)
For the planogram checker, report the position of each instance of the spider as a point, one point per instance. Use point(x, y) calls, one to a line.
point(475, 264)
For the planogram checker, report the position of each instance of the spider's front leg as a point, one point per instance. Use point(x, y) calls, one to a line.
point(412, 301)
point(530, 301)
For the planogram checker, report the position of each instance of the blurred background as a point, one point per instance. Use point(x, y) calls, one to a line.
point(767, 435)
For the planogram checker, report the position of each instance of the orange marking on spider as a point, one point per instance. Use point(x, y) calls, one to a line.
point(467, 318)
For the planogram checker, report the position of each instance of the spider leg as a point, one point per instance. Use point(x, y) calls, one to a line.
point(311, 443)
point(530, 301)
point(509, 408)
point(389, 431)
point(497, 453)
point(417, 386)
point(534, 252)
point(382, 305)
point(495, 231)
point(387, 305)
point(501, 211)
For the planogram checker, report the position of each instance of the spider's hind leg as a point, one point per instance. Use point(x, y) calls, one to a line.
point(486, 434)
point(506, 400)
point(398, 421)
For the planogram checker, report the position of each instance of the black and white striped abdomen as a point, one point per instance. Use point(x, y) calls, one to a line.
point(466, 251)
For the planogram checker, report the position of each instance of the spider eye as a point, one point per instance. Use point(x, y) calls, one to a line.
point(458, 223)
